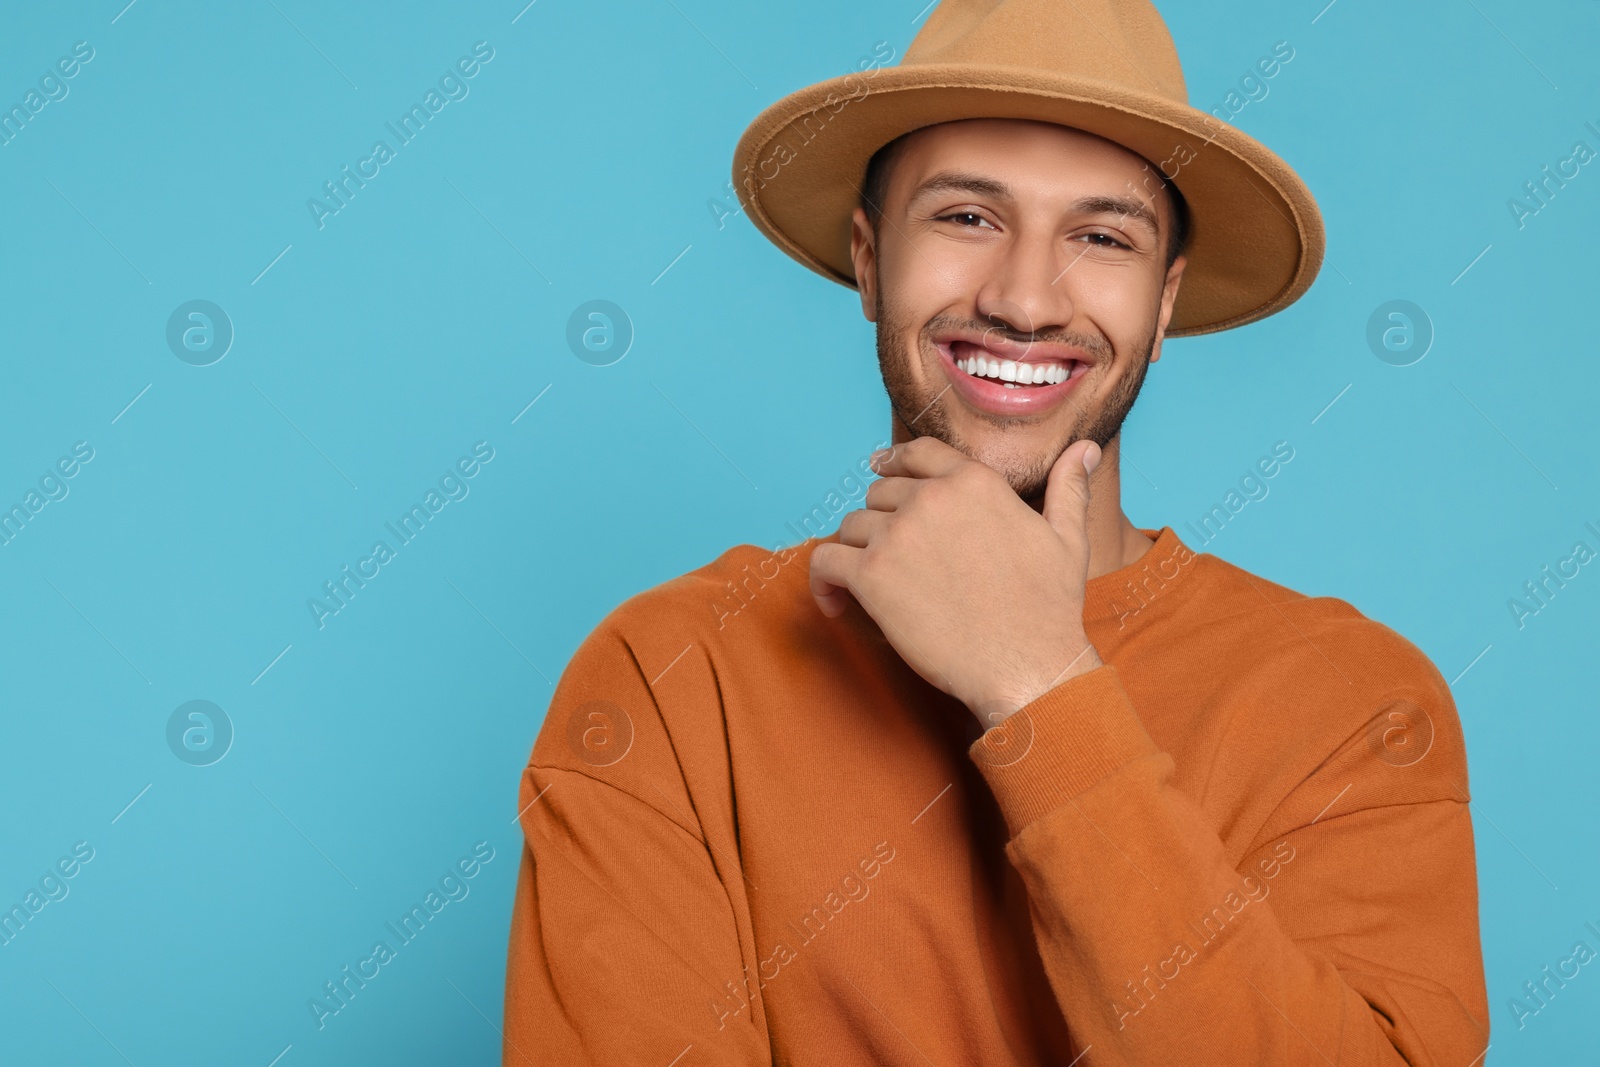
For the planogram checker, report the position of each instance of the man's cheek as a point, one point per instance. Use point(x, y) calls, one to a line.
point(923, 273)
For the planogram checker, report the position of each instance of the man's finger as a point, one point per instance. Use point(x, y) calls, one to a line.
point(923, 457)
point(859, 527)
point(1066, 493)
point(890, 494)
point(833, 568)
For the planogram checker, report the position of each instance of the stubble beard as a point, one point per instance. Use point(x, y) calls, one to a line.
point(927, 413)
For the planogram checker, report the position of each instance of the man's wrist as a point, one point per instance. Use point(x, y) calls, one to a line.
point(993, 710)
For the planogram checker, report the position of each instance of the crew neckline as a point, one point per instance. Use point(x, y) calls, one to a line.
point(1115, 592)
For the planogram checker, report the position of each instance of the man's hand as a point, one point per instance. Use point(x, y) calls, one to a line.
point(981, 595)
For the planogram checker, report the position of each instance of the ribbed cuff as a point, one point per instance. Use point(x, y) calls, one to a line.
point(1059, 745)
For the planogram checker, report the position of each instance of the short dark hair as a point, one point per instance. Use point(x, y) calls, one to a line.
point(875, 187)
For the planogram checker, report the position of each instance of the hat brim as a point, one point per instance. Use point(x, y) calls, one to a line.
point(1256, 236)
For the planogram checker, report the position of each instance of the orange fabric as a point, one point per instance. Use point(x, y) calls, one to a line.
point(755, 836)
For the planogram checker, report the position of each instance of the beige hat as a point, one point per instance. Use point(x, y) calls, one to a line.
point(1107, 67)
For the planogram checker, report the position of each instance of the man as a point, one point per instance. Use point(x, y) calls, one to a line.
point(991, 775)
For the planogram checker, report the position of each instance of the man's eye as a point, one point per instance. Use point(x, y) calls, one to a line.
point(966, 218)
point(1104, 240)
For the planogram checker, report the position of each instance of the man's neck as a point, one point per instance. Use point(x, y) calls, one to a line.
point(1114, 541)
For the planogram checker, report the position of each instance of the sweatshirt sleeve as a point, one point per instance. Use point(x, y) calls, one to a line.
point(627, 944)
point(1345, 932)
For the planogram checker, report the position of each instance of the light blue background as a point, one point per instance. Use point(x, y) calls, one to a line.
point(429, 312)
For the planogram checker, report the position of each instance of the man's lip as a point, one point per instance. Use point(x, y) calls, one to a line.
point(997, 399)
point(1000, 347)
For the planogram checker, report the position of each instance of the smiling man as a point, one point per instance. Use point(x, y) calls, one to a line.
point(993, 775)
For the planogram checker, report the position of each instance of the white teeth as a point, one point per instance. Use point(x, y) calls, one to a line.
point(1013, 372)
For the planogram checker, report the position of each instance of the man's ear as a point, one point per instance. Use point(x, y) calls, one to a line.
point(864, 256)
point(1169, 297)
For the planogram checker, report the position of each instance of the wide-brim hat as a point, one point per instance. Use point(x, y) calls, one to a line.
point(1107, 67)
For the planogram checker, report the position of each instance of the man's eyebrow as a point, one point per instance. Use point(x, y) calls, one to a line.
point(1123, 206)
point(957, 182)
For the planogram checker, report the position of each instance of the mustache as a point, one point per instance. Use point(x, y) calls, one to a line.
point(1094, 344)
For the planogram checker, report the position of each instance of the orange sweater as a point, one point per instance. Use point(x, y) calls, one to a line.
point(755, 836)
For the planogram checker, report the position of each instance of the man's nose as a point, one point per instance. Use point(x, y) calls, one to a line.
point(1026, 294)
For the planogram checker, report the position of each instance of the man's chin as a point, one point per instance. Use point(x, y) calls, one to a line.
point(1026, 470)
point(1030, 486)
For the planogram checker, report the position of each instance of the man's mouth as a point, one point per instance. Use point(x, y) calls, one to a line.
point(1014, 374)
point(988, 380)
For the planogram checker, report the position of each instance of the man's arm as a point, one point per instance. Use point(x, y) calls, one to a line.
point(627, 945)
point(1347, 933)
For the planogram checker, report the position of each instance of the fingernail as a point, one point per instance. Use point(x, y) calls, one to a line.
point(1091, 458)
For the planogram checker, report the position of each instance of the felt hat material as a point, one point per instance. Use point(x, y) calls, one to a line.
point(1107, 67)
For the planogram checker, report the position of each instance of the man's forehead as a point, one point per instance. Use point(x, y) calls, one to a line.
point(1019, 136)
point(990, 157)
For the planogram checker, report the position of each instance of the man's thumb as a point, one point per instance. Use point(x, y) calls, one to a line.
point(1066, 493)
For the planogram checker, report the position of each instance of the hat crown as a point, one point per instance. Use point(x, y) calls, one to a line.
point(1106, 67)
point(1119, 42)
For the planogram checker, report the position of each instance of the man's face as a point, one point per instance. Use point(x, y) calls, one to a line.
point(1023, 242)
